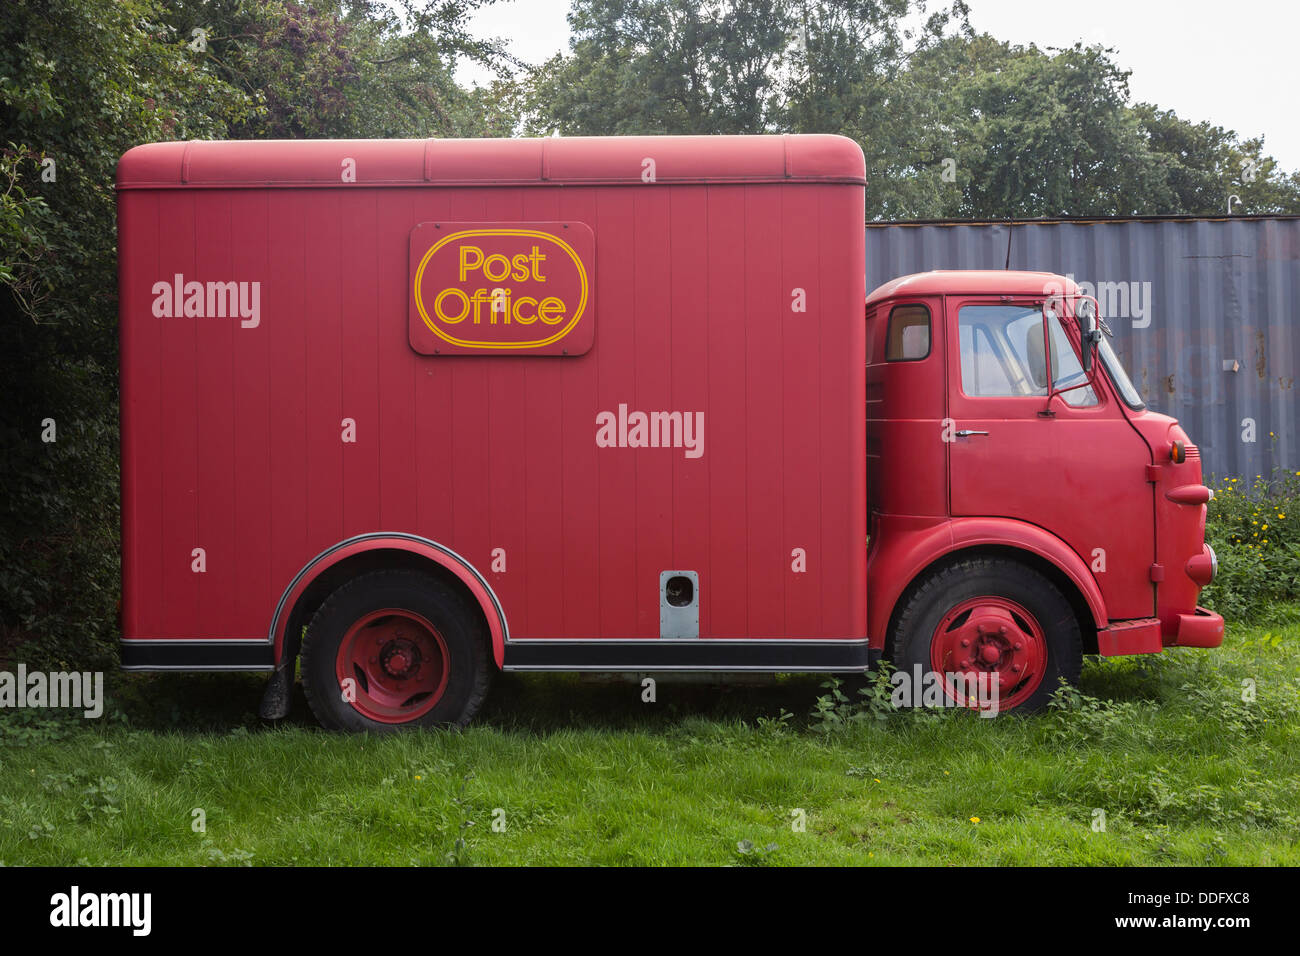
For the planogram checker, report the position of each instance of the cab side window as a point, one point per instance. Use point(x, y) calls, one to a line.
point(1001, 351)
point(909, 334)
point(1003, 354)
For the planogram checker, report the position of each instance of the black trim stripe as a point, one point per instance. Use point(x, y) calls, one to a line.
point(204, 655)
point(770, 656)
point(689, 655)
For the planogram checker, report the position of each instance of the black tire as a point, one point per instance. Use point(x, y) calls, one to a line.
point(1000, 579)
point(468, 665)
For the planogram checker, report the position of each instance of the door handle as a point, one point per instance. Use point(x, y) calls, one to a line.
point(967, 432)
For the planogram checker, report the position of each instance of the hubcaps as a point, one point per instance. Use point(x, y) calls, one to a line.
point(988, 641)
point(392, 666)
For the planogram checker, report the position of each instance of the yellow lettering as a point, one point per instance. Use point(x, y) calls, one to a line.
point(478, 299)
point(519, 315)
point(551, 305)
point(492, 303)
point(489, 271)
point(464, 305)
point(465, 266)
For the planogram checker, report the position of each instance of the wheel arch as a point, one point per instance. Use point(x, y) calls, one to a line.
point(908, 564)
point(358, 555)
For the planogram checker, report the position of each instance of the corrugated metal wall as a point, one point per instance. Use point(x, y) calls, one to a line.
point(1183, 296)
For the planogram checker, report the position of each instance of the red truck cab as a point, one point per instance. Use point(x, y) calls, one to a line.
point(1044, 510)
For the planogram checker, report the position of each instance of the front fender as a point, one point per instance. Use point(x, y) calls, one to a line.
point(902, 546)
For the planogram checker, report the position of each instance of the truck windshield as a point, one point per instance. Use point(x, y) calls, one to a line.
point(1115, 369)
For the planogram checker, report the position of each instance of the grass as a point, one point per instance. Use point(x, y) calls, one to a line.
point(576, 772)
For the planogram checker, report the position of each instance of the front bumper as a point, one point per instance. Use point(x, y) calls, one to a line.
point(1203, 628)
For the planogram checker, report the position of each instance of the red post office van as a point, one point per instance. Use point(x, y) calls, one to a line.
point(411, 412)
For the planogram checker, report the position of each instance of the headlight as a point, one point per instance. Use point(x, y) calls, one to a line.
point(1201, 567)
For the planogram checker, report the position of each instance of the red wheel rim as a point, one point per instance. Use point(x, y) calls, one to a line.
point(993, 637)
point(396, 662)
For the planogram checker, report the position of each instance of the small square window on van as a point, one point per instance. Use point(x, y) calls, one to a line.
point(909, 333)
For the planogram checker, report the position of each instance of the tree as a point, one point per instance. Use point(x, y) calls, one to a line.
point(82, 81)
point(952, 124)
point(345, 68)
point(1051, 133)
point(1204, 164)
point(852, 74)
point(721, 66)
point(1037, 134)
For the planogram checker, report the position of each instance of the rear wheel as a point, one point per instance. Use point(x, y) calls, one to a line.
point(394, 649)
point(987, 622)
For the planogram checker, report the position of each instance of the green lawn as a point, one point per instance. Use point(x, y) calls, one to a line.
point(583, 772)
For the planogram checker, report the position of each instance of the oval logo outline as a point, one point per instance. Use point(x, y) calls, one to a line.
point(578, 313)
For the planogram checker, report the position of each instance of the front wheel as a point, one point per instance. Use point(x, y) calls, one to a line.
point(988, 629)
point(393, 649)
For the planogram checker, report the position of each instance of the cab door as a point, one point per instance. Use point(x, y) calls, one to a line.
point(1070, 464)
point(906, 468)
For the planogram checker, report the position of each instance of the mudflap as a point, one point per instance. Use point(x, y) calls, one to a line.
point(278, 694)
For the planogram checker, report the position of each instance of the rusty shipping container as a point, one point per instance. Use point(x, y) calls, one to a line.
point(1205, 311)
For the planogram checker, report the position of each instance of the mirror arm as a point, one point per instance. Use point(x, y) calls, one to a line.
point(1047, 364)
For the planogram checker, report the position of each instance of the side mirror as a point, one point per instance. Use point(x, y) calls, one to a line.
point(1089, 334)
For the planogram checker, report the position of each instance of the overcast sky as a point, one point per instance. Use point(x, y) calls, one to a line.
point(1234, 64)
